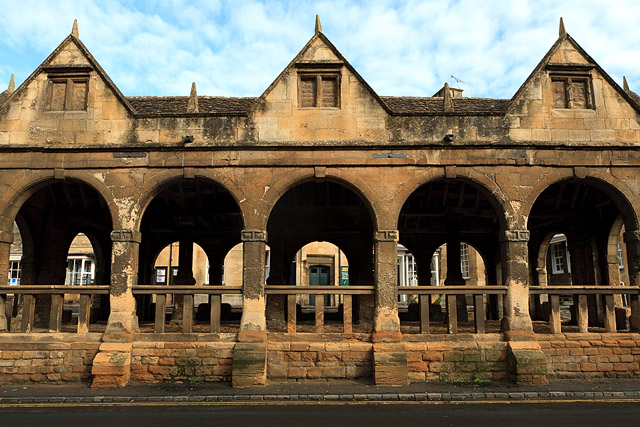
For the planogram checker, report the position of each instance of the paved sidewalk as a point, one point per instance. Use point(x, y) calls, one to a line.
point(322, 391)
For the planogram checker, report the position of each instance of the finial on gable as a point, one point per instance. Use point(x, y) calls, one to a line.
point(318, 24)
point(448, 100)
point(562, 32)
point(12, 85)
point(74, 30)
point(625, 85)
point(192, 105)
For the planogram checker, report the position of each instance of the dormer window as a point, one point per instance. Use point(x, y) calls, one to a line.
point(67, 89)
point(571, 86)
point(319, 87)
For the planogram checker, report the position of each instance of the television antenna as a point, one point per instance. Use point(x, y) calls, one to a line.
point(458, 81)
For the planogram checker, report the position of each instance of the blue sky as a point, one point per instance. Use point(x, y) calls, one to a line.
point(237, 48)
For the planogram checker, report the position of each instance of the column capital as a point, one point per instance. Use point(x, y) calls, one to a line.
point(254, 236)
point(385, 236)
point(6, 237)
point(514, 236)
point(631, 236)
point(126, 236)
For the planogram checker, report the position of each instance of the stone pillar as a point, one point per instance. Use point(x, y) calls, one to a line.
point(632, 239)
point(6, 238)
point(276, 303)
point(184, 275)
point(454, 271)
point(250, 353)
point(389, 352)
point(112, 364)
point(526, 362)
point(515, 275)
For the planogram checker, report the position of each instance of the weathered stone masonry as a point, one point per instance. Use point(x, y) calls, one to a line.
point(319, 156)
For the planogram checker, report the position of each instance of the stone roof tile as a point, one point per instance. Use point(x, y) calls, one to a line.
point(171, 105)
point(406, 105)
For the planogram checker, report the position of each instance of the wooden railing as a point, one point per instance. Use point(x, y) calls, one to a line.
point(57, 292)
point(582, 311)
point(451, 293)
point(347, 293)
point(188, 292)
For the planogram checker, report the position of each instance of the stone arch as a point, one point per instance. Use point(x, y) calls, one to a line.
point(159, 182)
point(347, 179)
point(507, 216)
point(25, 188)
point(613, 187)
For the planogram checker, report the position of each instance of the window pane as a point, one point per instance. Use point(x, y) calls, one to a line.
point(58, 93)
point(308, 92)
point(578, 94)
point(559, 93)
point(79, 99)
point(329, 92)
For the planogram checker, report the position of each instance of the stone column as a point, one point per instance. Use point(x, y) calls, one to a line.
point(632, 239)
point(6, 238)
point(184, 275)
point(514, 252)
point(386, 321)
point(389, 352)
point(123, 322)
point(112, 364)
point(250, 353)
point(454, 271)
point(526, 361)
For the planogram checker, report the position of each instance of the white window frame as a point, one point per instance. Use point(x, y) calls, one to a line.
point(558, 259)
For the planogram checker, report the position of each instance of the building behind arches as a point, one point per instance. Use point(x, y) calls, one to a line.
point(320, 156)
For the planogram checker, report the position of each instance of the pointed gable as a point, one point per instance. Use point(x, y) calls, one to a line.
point(68, 99)
point(570, 99)
point(319, 96)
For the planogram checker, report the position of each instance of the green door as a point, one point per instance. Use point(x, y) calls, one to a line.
point(318, 276)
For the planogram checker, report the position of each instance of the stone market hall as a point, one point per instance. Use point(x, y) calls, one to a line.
point(543, 183)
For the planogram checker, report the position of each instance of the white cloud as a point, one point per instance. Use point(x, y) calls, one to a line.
point(237, 48)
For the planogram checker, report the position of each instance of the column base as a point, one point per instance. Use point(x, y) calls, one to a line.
point(390, 364)
point(526, 362)
point(112, 365)
point(249, 364)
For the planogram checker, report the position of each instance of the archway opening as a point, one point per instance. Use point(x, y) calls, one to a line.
point(56, 219)
point(575, 227)
point(454, 211)
point(320, 212)
point(205, 221)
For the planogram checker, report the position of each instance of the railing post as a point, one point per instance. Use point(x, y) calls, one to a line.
point(582, 313)
point(347, 314)
point(555, 322)
point(425, 302)
point(452, 314)
point(161, 310)
point(215, 302)
point(55, 318)
point(319, 314)
point(28, 313)
point(84, 313)
point(478, 313)
point(187, 314)
point(609, 313)
point(291, 314)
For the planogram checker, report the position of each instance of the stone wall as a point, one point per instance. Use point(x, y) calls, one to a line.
point(483, 358)
point(181, 361)
point(26, 360)
point(319, 360)
point(585, 356)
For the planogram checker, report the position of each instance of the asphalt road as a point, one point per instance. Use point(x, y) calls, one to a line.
point(565, 414)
